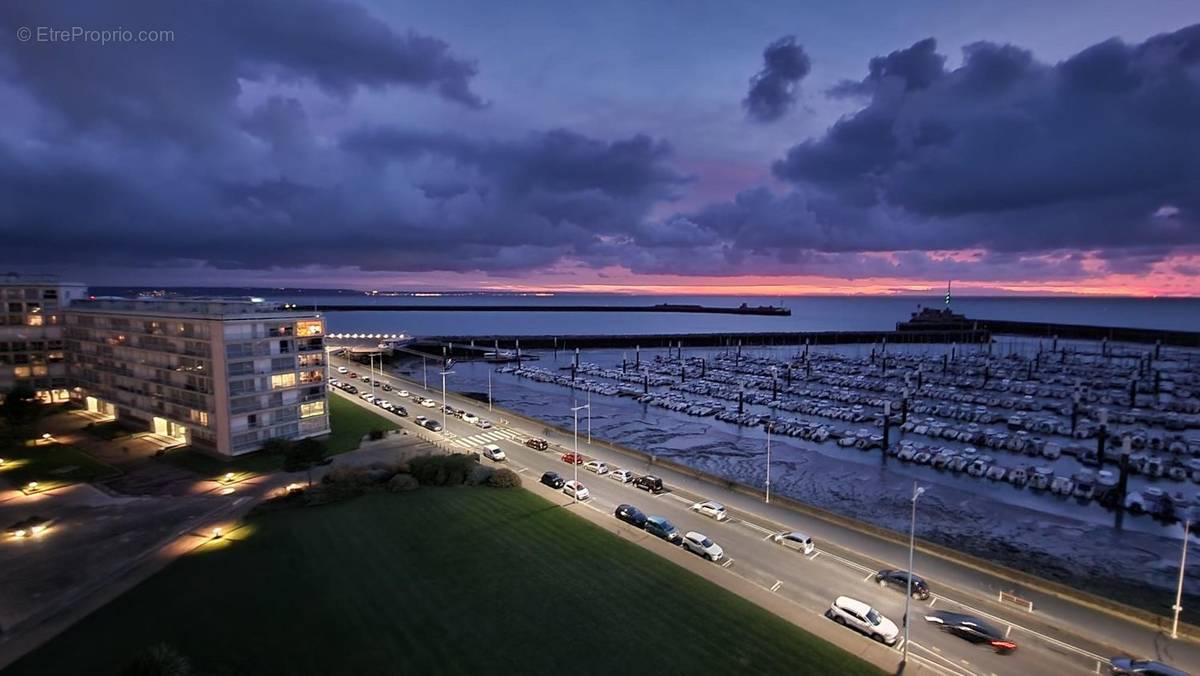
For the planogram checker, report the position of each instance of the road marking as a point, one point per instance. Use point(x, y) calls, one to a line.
point(758, 528)
point(728, 563)
point(868, 577)
point(680, 498)
point(778, 584)
point(933, 602)
point(898, 645)
point(768, 536)
point(815, 555)
point(1008, 632)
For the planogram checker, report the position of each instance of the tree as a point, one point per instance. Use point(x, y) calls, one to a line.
point(302, 455)
point(20, 406)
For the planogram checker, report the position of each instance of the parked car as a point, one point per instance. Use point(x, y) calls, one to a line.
point(596, 466)
point(572, 458)
point(351, 389)
point(660, 527)
point(631, 515)
point(650, 483)
point(368, 397)
point(537, 444)
point(400, 411)
point(403, 393)
point(428, 403)
point(343, 369)
point(864, 619)
point(577, 490)
point(1128, 665)
point(553, 480)
point(898, 580)
point(494, 453)
point(795, 540)
point(470, 418)
point(973, 629)
point(387, 387)
point(711, 509)
point(699, 543)
point(483, 423)
point(622, 475)
point(433, 425)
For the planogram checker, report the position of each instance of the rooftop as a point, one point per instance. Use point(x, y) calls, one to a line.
point(213, 308)
point(20, 279)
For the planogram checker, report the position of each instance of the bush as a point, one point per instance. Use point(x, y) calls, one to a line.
point(276, 446)
point(442, 470)
point(504, 478)
point(401, 483)
point(479, 475)
point(376, 434)
point(158, 660)
point(357, 476)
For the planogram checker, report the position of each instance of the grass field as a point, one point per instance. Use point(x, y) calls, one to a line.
point(348, 423)
point(437, 581)
point(51, 465)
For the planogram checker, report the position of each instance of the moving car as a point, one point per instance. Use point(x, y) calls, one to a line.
point(494, 453)
point(368, 397)
point(483, 423)
point(596, 466)
point(577, 490)
point(572, 458)
point(343, 369)
point(795, 540)
point(352, 375)
point(470, 418)
point(403, 393)
point(660, 527)
point(351, 389)
point(1128, 665)
point(898, 580)
point(863, 618)
point(711, 509)
point(428, 403)
point(649, 482)
point(537, 444)
point(973, 629)
point(387, 387)
point(631, 515)
point(622, 475)
point(433, 425)
point(698, 543)
point(553, 480)
point(400, 411)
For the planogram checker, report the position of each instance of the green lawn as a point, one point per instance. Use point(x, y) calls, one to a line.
point(348, 423)
point(437, 581)
point(51, 465)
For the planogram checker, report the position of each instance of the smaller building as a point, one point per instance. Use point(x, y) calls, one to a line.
point(222, 375)
point(31, 334)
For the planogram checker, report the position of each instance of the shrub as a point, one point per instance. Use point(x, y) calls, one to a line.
point(479, 475)
point(158, 660)
point(504, 478)
point(376, 434)
point(276, 446)
point(442, 470)
point(401, 483)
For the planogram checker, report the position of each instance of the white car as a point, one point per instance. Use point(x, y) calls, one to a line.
point(863, 618)
point(622, 475)
point(404, 393)
point(470, 418)
point(795, 540)
point(483, 423)
point(596, 466)
point(711, 509)
point(577, 490)
point(368, 397)
point(494, 453)
point(698, 543)
point(343, 369)
point(428, 403)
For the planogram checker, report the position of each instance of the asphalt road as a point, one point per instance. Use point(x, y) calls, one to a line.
point(1058, 637)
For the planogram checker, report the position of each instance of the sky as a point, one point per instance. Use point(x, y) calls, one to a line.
point(765, 148)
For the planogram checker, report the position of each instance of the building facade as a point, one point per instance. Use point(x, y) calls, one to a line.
point(31, 334)
point(222, 375)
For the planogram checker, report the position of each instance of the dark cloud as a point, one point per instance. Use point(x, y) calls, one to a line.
point(773, 89)
point(916, 67)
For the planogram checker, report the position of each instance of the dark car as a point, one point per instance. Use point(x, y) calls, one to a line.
point(537, 444)
point(660, 527)
point(400, 411)
point(387, 387)
point(649, 482)
point(631, 515)
point(553, 480)
point(972, 629)
point(352, 389)
point(1128, 665)
point(433, 425)
point(898, 580)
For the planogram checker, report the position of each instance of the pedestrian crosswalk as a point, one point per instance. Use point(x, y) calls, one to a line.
point(482, 438)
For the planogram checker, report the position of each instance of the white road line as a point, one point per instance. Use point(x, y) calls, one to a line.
point(847, 562)
point(933, 602)
point(778, 584)
point(758, 528)
point(1009, 631)
point(768, 536)
point(865, 579)
point(680, 498)
point(815, 555)
point(728, 563)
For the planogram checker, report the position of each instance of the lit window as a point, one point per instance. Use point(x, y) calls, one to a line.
point(311, 377)
point(313, 327)
point(34, 320)
point(20, 371)
point(200, 417)
point(312, 408)
point(283, 380)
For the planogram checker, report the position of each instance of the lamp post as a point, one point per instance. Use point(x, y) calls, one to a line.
point(444, 405)
point(371, 370)
point(1178, 607)
point(589, 418)
point(575, 459)
point(769, 424)
point(912, 538)
point(489, 389)
point(425, 373)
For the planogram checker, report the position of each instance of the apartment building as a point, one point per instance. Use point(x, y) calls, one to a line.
point(222, 375)
point(31, 334)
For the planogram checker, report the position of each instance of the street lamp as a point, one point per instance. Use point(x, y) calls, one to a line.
point(912, 538)
point(769, 425)
point(489, 389)
point(575, 460)
point(589, 419)
point(1178, 607)
point(444, 405)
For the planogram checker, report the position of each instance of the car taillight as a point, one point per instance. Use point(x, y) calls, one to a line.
point(1007, 645)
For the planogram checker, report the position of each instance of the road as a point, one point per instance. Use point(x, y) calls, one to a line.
point(1058, 637)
